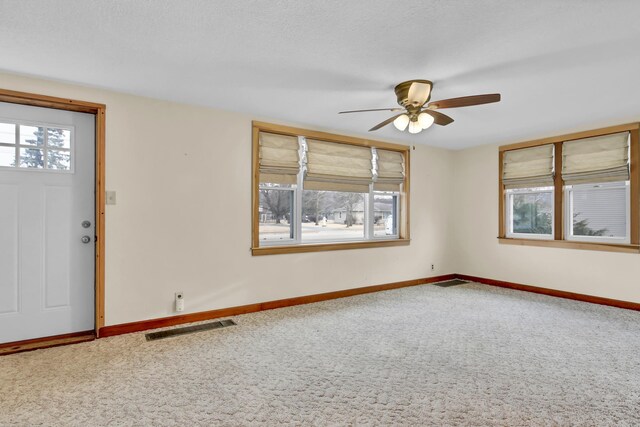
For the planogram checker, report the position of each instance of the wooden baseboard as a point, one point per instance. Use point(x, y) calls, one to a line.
point(125, 328)
point(46, 342)
point(553, 292)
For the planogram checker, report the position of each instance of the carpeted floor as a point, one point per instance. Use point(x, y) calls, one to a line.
point(464, 355)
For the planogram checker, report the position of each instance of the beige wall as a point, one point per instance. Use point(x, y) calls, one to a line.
point(178, 169)
point(478, 253)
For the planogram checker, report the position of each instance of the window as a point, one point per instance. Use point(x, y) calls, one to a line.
point(528, 177)
point(530, 213)
point(276, 211)
point(35, 146)
point(332, 216)
point(598, 212)
point(317, 191)
point(579, 190)
point(385, 214)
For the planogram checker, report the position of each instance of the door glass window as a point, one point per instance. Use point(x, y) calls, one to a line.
point(7, 133)
point(28, 146)
point(31, 135)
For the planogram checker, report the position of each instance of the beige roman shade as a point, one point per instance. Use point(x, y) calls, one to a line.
point(338, 167)
point(528, 167)
point(390, 168)
point(279, 158)
point(597, 159)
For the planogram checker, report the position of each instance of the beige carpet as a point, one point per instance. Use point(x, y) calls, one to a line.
point(464, 355)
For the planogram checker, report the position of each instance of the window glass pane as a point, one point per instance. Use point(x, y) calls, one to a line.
point(57, 159)
point(600, 210)
point(7, 133)
point(58, 138)
point(275, 214)
point(332, 215)
point(532, 213)
point(269, 185)
point(7, 156)
point(385, 222)
point(31, 158)
point(31, 135)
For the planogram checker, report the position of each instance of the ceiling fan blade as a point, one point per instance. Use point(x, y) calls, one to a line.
point(386, 122)
point(374, 109)
point(439, 118)
point(419, 93)
point(465, 101)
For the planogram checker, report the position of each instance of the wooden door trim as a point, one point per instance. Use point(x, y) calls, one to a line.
point(99, 110)
point(46, 342)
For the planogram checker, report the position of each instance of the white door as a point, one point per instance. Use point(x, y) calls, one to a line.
point(47, 215)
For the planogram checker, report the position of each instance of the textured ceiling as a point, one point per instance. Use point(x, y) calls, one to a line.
point(561, 66)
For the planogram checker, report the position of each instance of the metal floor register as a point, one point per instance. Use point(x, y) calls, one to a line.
point(189, 329)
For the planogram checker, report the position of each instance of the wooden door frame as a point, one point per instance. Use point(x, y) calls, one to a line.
point(99, 110)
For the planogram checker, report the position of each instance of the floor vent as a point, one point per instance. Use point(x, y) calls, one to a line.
point(189, 329)
point(448, 283)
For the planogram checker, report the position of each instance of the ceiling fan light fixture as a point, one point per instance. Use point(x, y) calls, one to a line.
point(425, 120)
point(414, 127)
point(418, 114)
point(401, 122)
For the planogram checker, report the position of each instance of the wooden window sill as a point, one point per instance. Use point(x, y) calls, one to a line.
point(319, 247)
point(566, 244)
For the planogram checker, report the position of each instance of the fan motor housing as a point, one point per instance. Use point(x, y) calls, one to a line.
point(402, 92)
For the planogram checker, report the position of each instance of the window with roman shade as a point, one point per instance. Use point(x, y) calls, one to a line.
point(579, 190)
point(528, 167)
point(597, 159)
point(279, 158)
point(316, 191)
point(338, 167)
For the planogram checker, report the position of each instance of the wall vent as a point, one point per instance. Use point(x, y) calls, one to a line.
point(448, 283)
point(152, 336)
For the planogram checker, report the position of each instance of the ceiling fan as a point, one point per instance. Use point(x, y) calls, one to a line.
point(417, 115)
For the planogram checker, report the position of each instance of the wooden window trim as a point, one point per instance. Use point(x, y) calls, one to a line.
point(99, 110)
point(559, 241)
point(404, 223)
point(568, 244)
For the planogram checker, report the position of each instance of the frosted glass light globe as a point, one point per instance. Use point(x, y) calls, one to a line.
point(401, 122)
point(414, 127)
point(425, 120)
